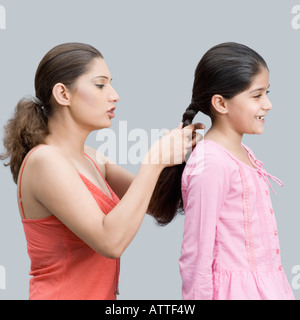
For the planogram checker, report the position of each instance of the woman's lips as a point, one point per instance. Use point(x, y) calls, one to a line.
point(111, 113)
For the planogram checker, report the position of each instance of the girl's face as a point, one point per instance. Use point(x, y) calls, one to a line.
point(247, 111)
point(93, 98)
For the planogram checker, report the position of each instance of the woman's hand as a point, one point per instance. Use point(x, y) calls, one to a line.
point(196, 137)
point(172, 148)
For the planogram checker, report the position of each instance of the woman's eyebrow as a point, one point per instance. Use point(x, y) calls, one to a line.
point(104, 77)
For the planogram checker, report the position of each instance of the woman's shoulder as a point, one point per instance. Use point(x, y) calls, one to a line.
point(42, 153)
point(43, 164)
point(44, 157)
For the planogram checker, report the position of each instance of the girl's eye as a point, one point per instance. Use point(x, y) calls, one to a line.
point(260, 95)
point(101, 86)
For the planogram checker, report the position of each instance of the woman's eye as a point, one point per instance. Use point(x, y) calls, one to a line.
point(101, 86)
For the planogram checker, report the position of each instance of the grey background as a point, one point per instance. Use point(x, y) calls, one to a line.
point(152, 48)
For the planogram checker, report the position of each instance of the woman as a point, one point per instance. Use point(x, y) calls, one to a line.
point(73, 243)
point(230, 248)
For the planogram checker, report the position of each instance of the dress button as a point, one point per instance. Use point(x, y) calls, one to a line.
point(277, 251)
point(275, 233)
point(280, 268)
point(271, 211)
point(267, 192)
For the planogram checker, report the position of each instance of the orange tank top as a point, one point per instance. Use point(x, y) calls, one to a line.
point(63, 267)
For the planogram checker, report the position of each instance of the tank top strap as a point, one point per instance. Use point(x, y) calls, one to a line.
point(20, 179)
point(95, 165)
point(114, 196)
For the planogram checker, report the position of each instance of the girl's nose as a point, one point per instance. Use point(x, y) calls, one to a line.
point(267, 104)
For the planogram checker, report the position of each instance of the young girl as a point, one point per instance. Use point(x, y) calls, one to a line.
point(230, 246)
point(79, 211)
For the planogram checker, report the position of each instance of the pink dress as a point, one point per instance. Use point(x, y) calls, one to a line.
point(230, 248)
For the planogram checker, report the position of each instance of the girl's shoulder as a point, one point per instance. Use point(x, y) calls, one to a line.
point(208, 150)
point(208, 156)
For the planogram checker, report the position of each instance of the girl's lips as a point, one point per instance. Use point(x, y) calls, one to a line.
point(260, 118)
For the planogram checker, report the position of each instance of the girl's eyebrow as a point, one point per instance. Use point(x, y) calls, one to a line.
point(260, 89)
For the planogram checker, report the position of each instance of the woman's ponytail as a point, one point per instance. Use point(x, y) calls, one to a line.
point(28, 127)
point(166, 200)
point(25, 130)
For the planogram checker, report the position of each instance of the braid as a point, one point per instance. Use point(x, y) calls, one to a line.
point(166, 199)
point(189, 114)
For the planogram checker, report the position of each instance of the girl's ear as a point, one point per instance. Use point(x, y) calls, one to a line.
point(61, 94)
point(219, 105)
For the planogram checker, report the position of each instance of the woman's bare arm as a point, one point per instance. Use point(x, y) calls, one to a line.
point(64, 194)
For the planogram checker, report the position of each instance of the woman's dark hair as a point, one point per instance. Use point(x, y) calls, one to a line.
point(28, 127)
point(227, 70)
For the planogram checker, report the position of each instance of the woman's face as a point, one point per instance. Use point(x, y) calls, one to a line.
point(247, 111)
point(93, 99)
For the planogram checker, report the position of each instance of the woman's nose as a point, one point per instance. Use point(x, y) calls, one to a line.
point(113, 95)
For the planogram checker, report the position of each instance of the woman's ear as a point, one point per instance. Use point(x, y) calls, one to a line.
point(61, 94)
point(219, 105)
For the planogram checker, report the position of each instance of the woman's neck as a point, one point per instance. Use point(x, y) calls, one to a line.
point(68, 137)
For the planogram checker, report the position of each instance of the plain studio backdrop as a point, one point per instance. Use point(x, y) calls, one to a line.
point(152, 49)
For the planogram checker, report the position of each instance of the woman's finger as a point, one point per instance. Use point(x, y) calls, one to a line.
point(180, 125)
point(195, 126)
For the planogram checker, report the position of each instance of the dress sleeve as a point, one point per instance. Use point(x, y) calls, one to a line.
point(204, 192)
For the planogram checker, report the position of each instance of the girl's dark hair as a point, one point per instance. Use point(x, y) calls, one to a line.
point(28, 127)
point(226, 69)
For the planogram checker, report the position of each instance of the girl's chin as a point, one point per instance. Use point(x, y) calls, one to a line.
point(259, 131)
point(256, 131)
